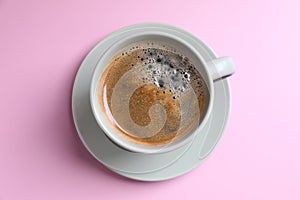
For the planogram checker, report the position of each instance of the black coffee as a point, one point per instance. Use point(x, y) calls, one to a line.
point(153, 94)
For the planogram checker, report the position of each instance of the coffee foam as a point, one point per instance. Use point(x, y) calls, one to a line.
point(163, 66)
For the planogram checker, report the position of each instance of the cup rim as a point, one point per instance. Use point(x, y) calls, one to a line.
point(112, 50)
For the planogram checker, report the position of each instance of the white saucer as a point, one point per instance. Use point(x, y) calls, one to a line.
point(135, 165)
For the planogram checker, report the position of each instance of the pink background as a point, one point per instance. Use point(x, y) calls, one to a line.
point(42, 44)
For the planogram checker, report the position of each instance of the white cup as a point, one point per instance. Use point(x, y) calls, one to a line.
point(212, 71)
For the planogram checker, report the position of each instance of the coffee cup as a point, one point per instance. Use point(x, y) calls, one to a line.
point(152, 92)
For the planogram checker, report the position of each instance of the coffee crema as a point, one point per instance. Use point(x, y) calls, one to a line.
point(152, 94)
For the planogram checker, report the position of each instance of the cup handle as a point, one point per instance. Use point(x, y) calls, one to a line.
point(221, 68)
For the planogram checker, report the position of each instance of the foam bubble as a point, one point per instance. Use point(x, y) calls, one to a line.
point(166, 70)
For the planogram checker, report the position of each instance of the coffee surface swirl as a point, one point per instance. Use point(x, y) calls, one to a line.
point(152, 94)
